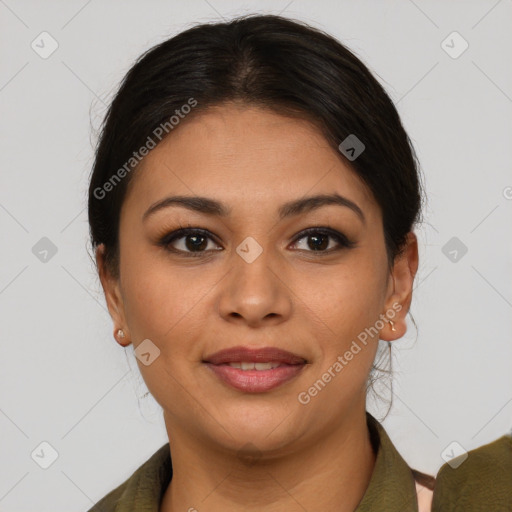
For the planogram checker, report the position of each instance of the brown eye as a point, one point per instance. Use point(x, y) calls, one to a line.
point(195, 242)
point(188, 241)
point(319, 240)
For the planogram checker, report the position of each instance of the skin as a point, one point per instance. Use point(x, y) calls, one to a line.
point(309, 302)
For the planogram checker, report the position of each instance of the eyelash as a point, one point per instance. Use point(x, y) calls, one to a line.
point(340, 238)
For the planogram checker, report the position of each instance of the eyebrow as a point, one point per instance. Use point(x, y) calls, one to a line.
point(212, 207)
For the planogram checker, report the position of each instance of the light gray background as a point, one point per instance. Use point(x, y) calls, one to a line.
point(63, 378)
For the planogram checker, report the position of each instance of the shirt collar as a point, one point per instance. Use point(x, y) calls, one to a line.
point(392, 486)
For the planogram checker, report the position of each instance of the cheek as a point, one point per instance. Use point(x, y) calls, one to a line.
point(164, 306)
point(345, 303)
point(164, 302)
point(345, 298)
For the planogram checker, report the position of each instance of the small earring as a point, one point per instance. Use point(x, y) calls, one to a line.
point(120, 333)
point(392, 325)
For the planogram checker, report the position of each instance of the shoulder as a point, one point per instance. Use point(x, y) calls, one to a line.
point(146, 484)
point(478, 480)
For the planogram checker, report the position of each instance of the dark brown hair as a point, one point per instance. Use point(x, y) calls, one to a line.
point(263, 60)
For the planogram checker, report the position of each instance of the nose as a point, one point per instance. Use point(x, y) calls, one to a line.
point(255, 293)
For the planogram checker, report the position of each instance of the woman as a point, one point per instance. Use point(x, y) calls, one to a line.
point(251, 208)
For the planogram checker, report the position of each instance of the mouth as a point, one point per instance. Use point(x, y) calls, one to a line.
point(255, 370)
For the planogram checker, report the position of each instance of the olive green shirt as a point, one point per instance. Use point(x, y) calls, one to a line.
point(481, 483)
point(391, 488)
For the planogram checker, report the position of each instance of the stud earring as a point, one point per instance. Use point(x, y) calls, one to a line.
point(392, 325)
point(120, 333)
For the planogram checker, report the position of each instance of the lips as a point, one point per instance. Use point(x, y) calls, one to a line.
point(255, 370)
point(256, 355)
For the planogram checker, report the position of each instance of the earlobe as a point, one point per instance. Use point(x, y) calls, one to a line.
point(120, 337)
point(398, 303)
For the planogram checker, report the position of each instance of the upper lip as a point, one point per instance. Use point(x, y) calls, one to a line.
point(257, 355)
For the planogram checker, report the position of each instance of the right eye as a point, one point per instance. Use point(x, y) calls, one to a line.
point(188, 241)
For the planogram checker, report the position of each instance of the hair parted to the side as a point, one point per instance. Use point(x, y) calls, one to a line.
point(272, 62)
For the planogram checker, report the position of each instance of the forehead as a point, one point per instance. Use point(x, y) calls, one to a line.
point(238, 154)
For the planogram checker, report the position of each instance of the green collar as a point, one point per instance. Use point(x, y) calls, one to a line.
point(391, 487)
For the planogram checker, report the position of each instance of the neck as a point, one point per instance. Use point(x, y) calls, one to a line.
point(331, 472)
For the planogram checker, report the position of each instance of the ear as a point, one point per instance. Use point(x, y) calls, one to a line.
point(113, 297)
point(400, 289)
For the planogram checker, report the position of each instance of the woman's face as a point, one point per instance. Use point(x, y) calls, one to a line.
point(253, 279)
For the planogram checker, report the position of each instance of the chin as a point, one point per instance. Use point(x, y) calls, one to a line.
point(265, 428)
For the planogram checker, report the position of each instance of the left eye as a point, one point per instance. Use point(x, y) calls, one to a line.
point(318, 240)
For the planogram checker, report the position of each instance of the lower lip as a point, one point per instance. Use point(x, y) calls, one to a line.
point(255, 381)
